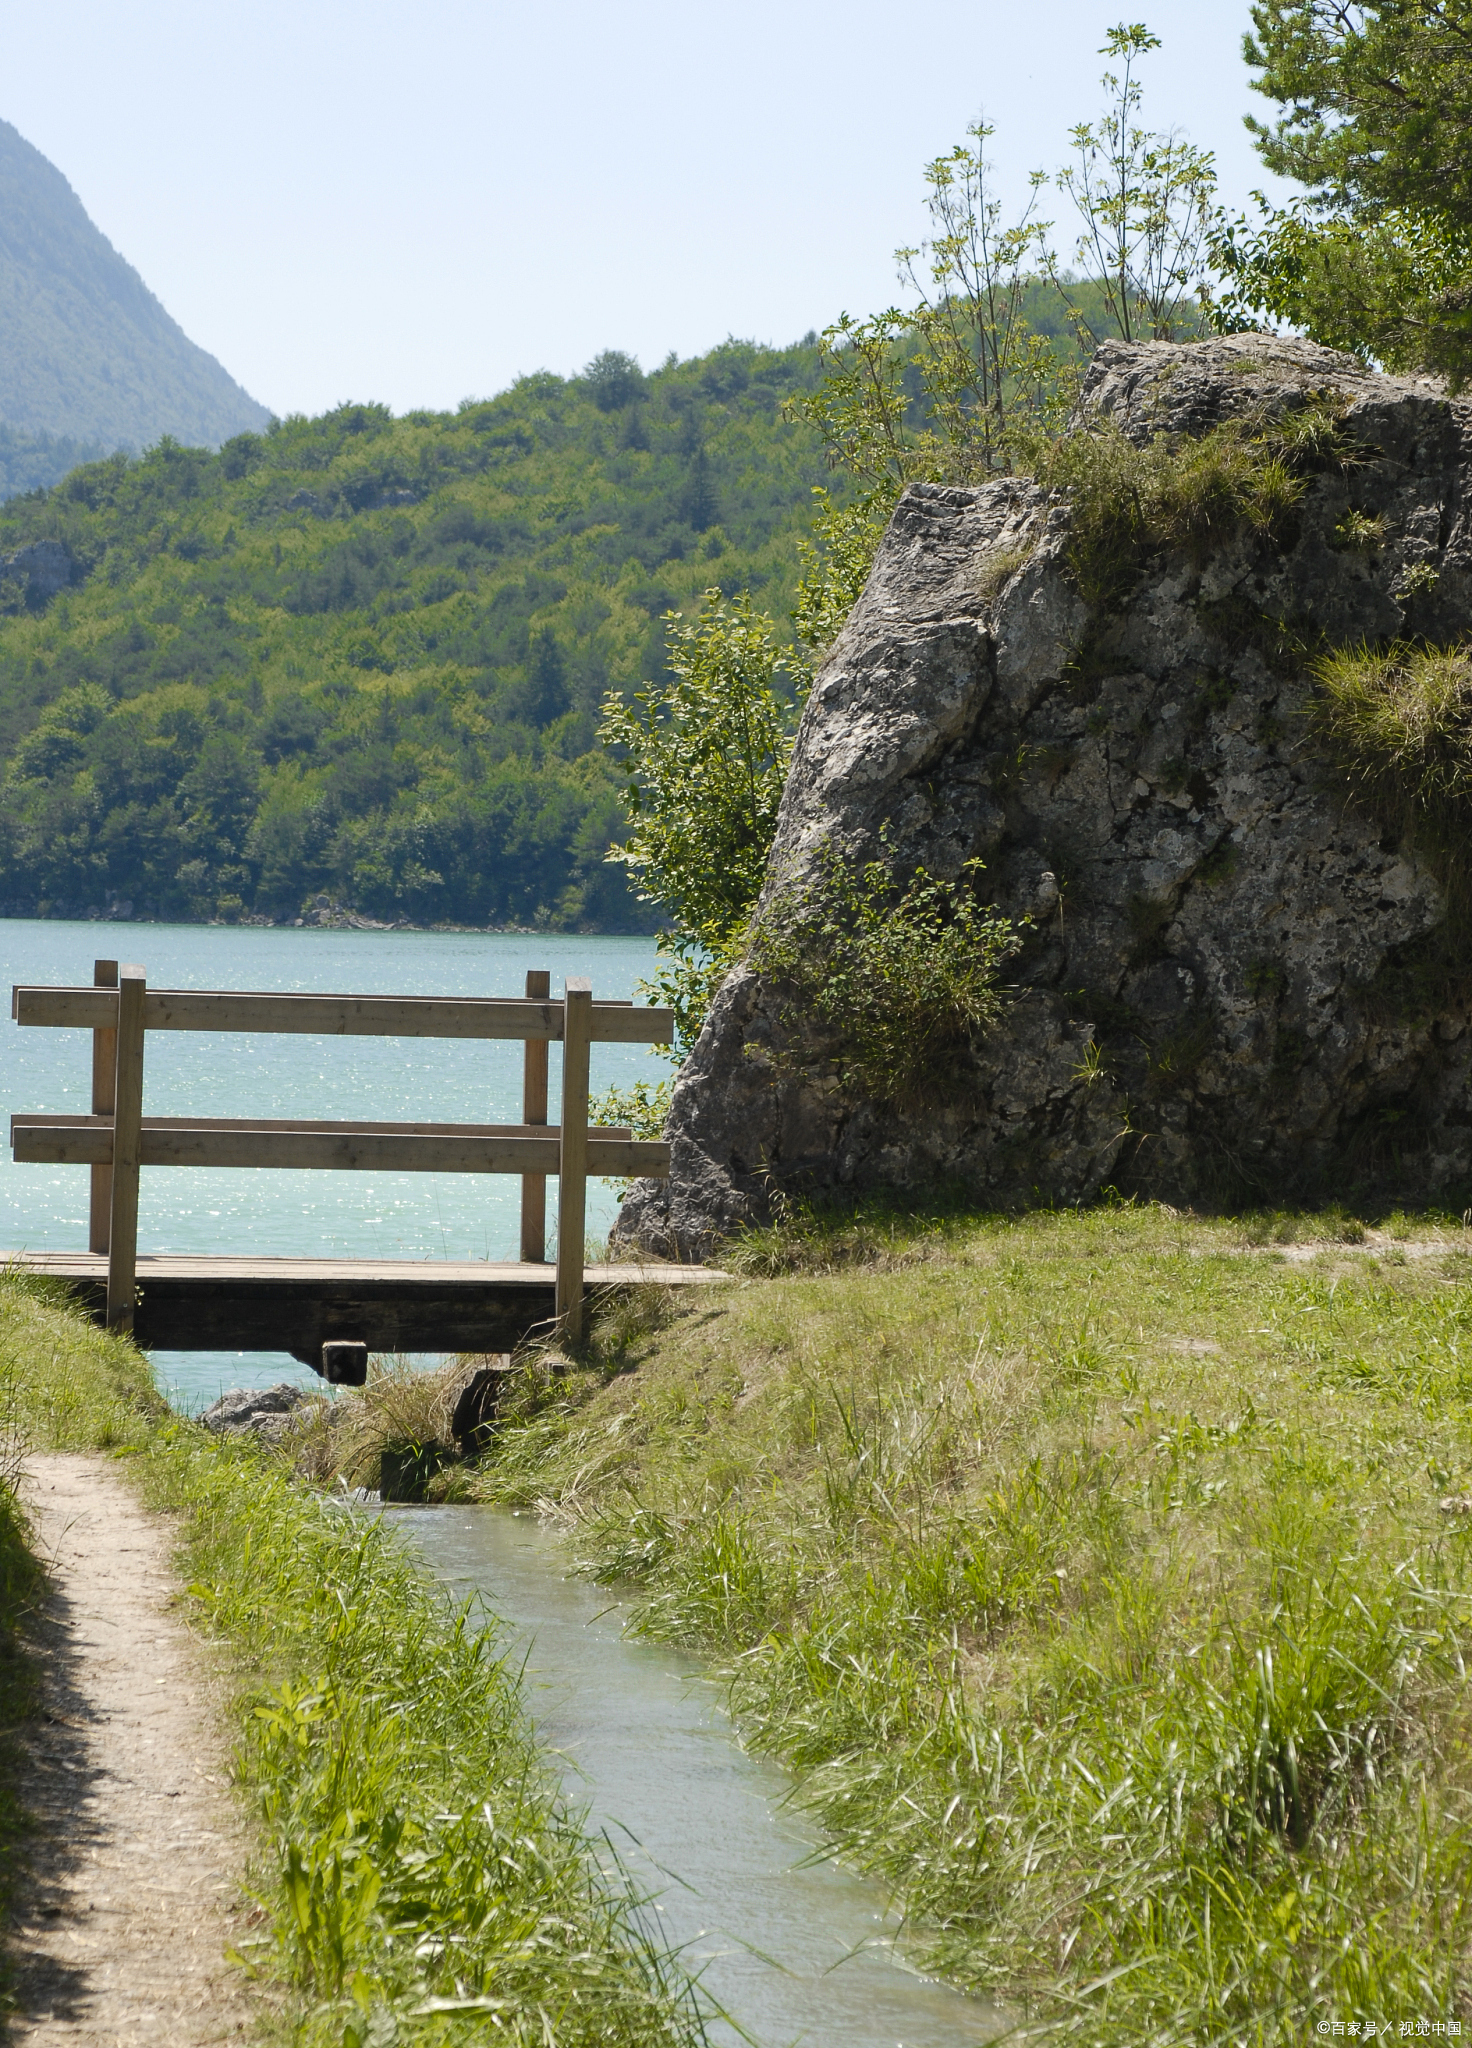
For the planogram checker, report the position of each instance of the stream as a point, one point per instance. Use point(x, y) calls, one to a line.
point(795, 1949)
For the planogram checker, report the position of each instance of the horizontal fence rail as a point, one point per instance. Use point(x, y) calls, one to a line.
point(369, 1148)
point(116, 1140)
point(96, 1009)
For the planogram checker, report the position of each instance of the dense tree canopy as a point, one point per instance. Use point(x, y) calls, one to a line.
point(1377, 102)
point(367, 655)
point(1376, 124)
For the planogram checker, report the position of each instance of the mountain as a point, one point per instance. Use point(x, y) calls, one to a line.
point(87, 353)
point(363, 656)
point(33, 462)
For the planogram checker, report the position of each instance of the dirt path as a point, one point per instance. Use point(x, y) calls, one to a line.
point(136, 1891)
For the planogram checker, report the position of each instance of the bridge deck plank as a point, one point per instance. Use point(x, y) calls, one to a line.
point(245, 1303)
point(180, 1266)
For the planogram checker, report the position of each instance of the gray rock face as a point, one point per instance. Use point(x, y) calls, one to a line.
point(255, 1411)
point(1213, 1001)
point(41, 569)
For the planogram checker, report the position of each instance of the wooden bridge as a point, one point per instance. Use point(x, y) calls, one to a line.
point(331, 1312)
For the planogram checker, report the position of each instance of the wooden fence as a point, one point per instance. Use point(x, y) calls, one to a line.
point(117, 1140)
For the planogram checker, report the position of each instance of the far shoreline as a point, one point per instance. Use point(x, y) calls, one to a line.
point(335, 920)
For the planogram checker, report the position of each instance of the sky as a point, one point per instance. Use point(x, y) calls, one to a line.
point(417, 204)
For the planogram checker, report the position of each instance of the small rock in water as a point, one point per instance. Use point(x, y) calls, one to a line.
point(255, 1411)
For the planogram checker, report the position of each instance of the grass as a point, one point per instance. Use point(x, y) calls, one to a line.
point(1102, 1576)
point(71, 1386)
point(424, 1884)
point(418, 1880)
point(21, 1584)
point(1399, 721)
point(1130, 499)
point(401, 1413)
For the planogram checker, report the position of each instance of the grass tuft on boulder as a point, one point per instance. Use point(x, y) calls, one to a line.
point(1399, 720)
point(1131, 498)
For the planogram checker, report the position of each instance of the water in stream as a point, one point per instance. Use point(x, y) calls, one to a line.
point(795, 1951)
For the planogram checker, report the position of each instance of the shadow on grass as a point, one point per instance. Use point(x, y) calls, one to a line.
point(831, 1231)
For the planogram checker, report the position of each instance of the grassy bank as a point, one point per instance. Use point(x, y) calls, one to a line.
point(20, 1583)
point(20, 1587)
point(417, 1878)
point(1104, 1577)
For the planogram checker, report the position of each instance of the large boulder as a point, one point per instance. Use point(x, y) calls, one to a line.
point(1218, 1001)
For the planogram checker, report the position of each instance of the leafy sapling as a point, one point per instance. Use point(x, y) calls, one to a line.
point(1147, 203)
point(705, 756)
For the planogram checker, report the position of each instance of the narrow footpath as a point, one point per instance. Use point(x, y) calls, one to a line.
point(137, 1860)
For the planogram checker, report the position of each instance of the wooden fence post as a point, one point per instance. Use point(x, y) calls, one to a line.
point(104, 1097)
point(534, 1111)
point(572, 1182)
point(127, 1115)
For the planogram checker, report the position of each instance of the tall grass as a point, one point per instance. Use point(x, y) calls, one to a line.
point(1092, 1573)
point(419, 1879)
point(424, 1882)
point(1130, 499)
point(22, 1585)
point(401, 1411)
point(72, 1387)
point(1399, 720)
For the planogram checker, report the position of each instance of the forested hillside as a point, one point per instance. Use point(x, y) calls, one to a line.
point(32, 461)
point(90, 354)
point(363, 655)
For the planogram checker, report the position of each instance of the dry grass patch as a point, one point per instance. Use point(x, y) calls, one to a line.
point(401, 1415)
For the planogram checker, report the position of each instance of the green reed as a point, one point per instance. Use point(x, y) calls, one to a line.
point(418, 1877)
point(1104, 1578)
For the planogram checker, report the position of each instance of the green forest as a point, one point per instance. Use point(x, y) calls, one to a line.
point(32, 461)
point(362, 656)
point(360, 659)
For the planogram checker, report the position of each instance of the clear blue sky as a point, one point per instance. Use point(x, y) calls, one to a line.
point(417, 203)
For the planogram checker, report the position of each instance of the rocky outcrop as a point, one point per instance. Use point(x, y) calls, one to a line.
point(31, 575)
point(264, 1412)
point(1219, 997)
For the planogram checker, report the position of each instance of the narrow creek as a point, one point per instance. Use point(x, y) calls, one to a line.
point(795, 1951)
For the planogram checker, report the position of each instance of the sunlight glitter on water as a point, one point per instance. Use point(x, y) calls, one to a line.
point(354, 1215)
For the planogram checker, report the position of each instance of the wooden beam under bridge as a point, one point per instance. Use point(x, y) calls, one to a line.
point(298, 1305)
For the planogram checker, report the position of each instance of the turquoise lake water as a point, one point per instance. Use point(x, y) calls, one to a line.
point(355, 1215)
point(794, 1949)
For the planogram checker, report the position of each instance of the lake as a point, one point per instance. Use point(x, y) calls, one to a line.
point(356, 1215)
